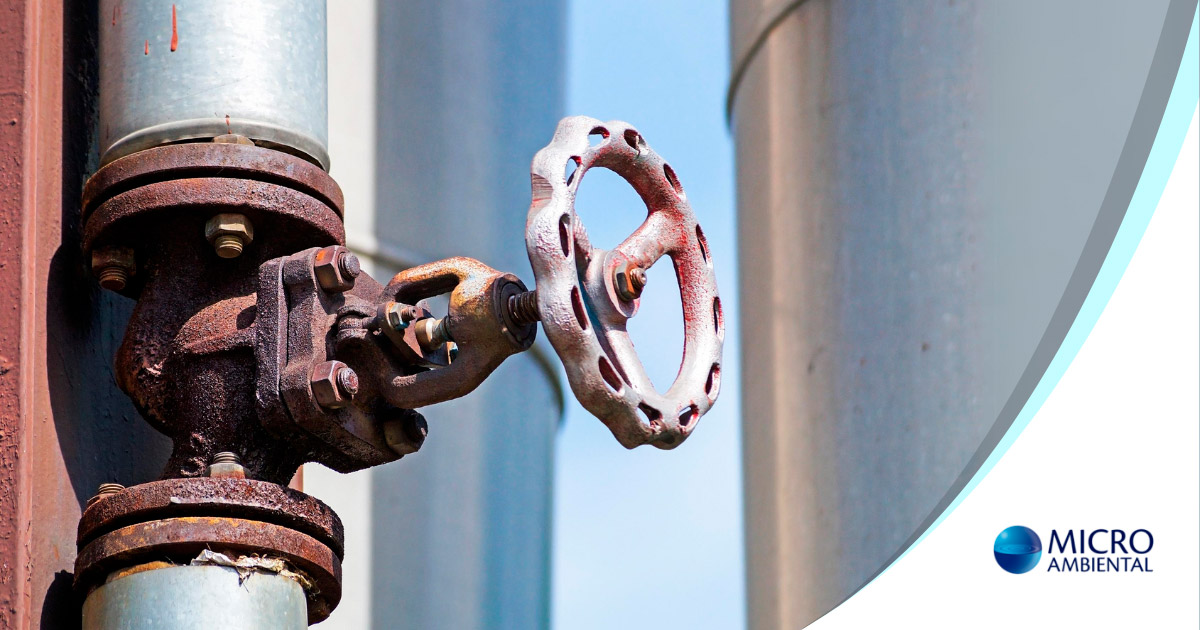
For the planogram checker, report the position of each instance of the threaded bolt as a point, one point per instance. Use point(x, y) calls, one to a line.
point(523, 309)
point(228, 246)
point(114, 278)
point(113, 266)
point(226, 465)
point(347, 380)
point(637, 278)
point(106, 489)
point(226, 457)
point(432, 333)
point(349, 265)
point(229, 233)
point(629, 282)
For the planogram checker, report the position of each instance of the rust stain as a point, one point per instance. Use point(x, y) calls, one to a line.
point(228, 128)
point(174, 31)
point(146, 50)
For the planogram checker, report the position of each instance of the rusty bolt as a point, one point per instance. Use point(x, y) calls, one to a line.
point(523, 308)
point(398, 315)
point(113, 266)
point(432, 333)
point(106, 489)
point(334, 384)
point(405, 431)
point(336, 268)
point(630, 281)
point(229, 233)
point(226, 465)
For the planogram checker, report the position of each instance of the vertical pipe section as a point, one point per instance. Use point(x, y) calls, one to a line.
point(467, 93)
point(195, 69)
point(916, 182)
point(196, 598)
point(186, 71)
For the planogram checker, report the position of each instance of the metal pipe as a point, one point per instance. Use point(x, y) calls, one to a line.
point(196, 598)
point(916, 185)
point(197, 69)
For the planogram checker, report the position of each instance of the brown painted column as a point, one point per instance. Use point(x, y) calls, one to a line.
point(64, 425)
point(14, 59)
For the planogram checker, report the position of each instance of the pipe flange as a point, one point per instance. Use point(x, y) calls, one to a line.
point(176, 519)
point(141, 199)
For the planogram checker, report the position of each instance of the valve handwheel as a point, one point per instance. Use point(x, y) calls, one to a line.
point(585, 296)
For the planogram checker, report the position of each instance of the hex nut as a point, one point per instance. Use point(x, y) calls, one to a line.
point(229, 233)
point(336, 268)
point(333, 384)
point(629, 282)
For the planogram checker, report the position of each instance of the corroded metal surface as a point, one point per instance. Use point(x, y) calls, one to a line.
point(301, 326)
point(180, 539)
point(172, 520)
point(244, 498)
point(581, 310)
point(277, 350)
point(188, 359)
point(478, 322)
point(210, 159)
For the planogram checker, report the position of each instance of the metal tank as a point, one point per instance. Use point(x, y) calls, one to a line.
point(925, 191)
point(196, 69)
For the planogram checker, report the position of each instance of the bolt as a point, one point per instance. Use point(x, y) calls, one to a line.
point(229, 233)
point(113, 278)
point(347, 380)
point(333, 384)
point(405, 431)
point(335, 268)
point(226, 465)
point(113, 266)
point(105, 490)
point(432, 333)
point(398, 315)
point(523, 308)
point(629, 282)
point(348, 264)
point(637, 278)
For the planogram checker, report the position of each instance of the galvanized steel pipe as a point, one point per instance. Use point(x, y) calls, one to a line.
point(196, 598)
point(196, 69)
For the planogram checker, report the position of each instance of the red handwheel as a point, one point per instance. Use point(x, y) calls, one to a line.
point(586, 296)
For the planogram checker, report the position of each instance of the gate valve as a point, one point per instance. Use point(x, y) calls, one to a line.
point(584, 299)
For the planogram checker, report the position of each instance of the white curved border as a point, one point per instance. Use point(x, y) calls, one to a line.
point(1116, 444)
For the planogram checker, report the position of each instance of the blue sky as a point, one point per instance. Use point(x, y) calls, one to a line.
point(649, 538)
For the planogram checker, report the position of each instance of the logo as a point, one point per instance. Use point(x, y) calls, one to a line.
point(1018, 549)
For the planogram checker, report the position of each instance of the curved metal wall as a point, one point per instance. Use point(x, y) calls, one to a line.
point(916, 182)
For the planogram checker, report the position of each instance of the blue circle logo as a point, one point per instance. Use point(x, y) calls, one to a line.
point(1018, 549)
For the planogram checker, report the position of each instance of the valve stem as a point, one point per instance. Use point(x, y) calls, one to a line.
point(523, 309)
